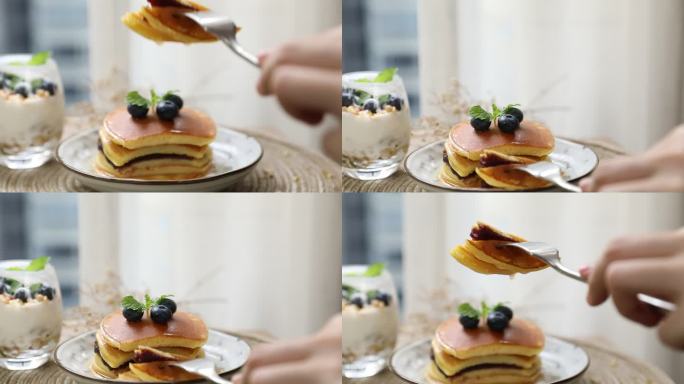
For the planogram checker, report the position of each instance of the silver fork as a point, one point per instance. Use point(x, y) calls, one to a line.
point(204, 367)
point(550, 256)
point(550, 172)
point(226, 30)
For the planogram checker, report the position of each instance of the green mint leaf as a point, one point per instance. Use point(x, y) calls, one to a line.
point(477, 112)
point(148, 302)
point(34, 288)
point(384, 99)
point(35, 265)
point(496, 112)
point(485, 309)
point(160, 298)
point(466, 309)
point(510, 106)
point(371, 295)
point(348, 291)
point(13, 285)
point(135, 98)
point(169, 94)
point(40, 58)
point(374, 270)
point(130, 302)
point(154, 98)
point(385, 76)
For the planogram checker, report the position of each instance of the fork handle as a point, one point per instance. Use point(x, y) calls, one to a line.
point(213, 376)
point(650, 300)
point(237, 48)
point(559, 181)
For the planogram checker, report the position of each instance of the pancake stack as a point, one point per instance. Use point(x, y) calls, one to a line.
point(475, 159)
point(164, 21)
point(481, 355)
point(483, 253)
point(140, 351)
point(155, 149)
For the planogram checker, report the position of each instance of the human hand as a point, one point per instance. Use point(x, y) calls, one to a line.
point(305, 75)
point(660, 169)
point(650, 264)
point(313, 360)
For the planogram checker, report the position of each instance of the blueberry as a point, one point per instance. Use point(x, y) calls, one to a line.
point(168, 303)
point(176, 100)
point(160, 314)
point(347, 99)
point(384, 297)
point(497, 321)
point(3, 288)
point(469, 322)
point(357, 101)
point(396, 102)
point(515, 112)
point(22, 294)
point(167, 110)
point(133, 315)
point(371, 105)
point(47, 291)
point(49, 87)
point(480, 125)
point(505, 310)
point(138, 111)
point(508, 123)
point(358, 301)
point(23, 89)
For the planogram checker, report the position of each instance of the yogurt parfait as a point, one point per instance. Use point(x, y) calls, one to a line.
point(32, 110)
point(376, 124)
point(30, 313)
point(370, 320)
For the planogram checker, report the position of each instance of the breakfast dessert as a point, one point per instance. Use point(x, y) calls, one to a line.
point(31, 106)
point(488, 346)
point(483, 253)
point(138, 343)
point(487, 151)
point(370, 316)
point(165, 21)
point(30, 311)
point(170, 144)
point(376, 120)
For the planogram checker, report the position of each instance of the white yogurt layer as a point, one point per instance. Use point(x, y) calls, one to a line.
point(380, 136)
point(29, 122)
point(32, 325)
point(370, 331)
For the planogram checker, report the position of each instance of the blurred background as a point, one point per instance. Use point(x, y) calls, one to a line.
point(100, 60)
point(413, 235)
point(213, 252)
point(610, 69)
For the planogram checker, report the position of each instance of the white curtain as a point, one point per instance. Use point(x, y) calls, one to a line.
point(610, 69)
point(212, 77)
point(580, 226)
point(243, 262)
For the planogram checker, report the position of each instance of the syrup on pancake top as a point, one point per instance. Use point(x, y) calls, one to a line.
point(483, 253)
point(486, 345)
point(138, 342)
point(155, 139)
point(487, 151)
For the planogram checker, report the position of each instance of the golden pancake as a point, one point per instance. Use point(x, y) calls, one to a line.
point(183, 330)
point(191, 127)
point(449, 177)
point(451, 366)
point(483, 253)
point(510, 178)
point(161, 372)
point(157, 169)
point(461, 165)
point(99, 367)
point(148, 354)
point(487, 374)
point(521, 338)
point(120, 156)
point(164, 21)
point(114, 358)
point(532, 139)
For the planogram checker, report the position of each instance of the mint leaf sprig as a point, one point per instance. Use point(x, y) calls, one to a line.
point(35, 265)
point(130, 302)
point(40, 58)
point(477, 112)
point(373, 270)
point(135, 98)
point(466, 309)
point(385, 76)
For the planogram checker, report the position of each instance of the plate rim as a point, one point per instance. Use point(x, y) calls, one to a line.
point(155, 183)
point(493, 189)
point(105, 380)
point(390, 364)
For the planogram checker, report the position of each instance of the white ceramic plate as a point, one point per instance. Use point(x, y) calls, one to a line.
point(235, 155)
point(75, 355)
point(425, 163)
point(561, 362)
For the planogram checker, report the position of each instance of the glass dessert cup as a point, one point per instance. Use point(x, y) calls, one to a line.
point(375, 138)
point(32, 110)
point(370, 322)
point(30, 314)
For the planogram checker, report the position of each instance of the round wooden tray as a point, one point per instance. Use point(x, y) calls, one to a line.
point(606, 367)
point(50, 373)
point(284, 168)
point(402, 182)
